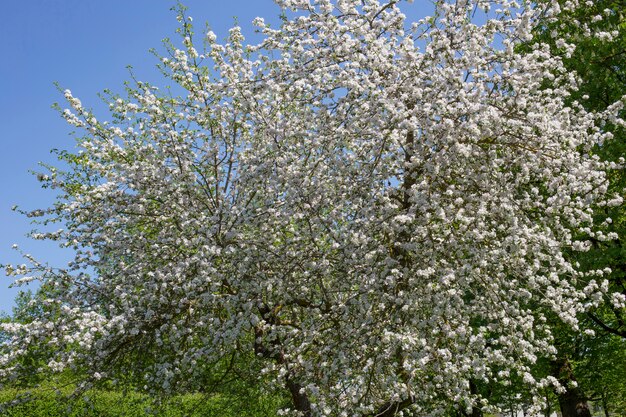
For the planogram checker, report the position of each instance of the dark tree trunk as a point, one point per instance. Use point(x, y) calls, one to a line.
point(299, 399)
point(573, 402)
point(476, 411)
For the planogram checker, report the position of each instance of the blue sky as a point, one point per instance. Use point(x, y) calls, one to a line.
point(85, 46)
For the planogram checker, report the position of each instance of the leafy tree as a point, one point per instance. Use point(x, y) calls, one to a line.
point(591, 40)
point(595, 48)
point(376, 221)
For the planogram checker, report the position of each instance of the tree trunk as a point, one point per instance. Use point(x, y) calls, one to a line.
point(573, 402)
point(299, 399)
point(476, 411)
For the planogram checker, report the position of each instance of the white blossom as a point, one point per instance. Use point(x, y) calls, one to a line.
point(379, 210)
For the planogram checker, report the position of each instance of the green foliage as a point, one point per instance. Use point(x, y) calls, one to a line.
point(598, 32)
point(601, 371)
point(99, 403)
point(600, 62)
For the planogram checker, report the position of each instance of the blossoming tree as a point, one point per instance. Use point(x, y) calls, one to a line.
point(381, 211)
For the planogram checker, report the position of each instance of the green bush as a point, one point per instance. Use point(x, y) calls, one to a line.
point(97, 403)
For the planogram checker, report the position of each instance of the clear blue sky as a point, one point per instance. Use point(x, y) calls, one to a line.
point(84, 45)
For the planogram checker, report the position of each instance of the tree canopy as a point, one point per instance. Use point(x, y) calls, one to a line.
point(384, 212)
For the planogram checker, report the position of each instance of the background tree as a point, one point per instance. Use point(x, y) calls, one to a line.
point(591, 40)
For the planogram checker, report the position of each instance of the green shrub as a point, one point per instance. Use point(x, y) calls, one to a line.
point(98, 403)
